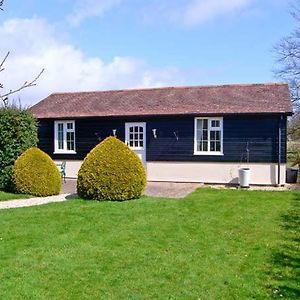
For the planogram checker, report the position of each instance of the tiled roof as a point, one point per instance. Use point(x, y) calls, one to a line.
point(194, 100)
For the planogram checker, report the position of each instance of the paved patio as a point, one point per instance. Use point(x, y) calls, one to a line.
point(155, 189)
point(180, 189)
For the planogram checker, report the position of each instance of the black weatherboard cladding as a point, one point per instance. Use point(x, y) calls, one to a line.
point(259, 132)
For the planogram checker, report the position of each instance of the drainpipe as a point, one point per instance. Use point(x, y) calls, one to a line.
point(279, 150)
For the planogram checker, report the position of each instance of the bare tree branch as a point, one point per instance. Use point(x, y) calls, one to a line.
point(26, 84)
point(3, 61)
point(288, 58)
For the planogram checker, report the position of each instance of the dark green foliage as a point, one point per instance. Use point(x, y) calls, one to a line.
point(36, 174)
point(111, 171)
point(296, 161)
point(18, 132)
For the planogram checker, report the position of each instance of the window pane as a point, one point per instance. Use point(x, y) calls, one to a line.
point(204, 146)
point(212, 146)
point(141, 144)
point(199, 125)
point(60, 135)
point(218, 146)
point(141, 129)
point(136, 143)
point(70, 141)
point(212, 135)
point(69, 125)
point(205, 135)
point(202, 124)
point(70, 145)
point(130, 129)
point(218, 135)
point(199, 146)
point(141, 136)
point(215, 123)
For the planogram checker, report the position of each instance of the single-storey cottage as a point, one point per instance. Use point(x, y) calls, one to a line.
point(182, 134)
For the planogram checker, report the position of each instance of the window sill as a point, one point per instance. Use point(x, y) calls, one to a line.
point(64, 152)
point(209, 153)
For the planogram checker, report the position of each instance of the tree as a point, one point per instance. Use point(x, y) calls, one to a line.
point(18, 132)
point(18, 129)
point(4, 97)
point(288, 58)
point(288, 68)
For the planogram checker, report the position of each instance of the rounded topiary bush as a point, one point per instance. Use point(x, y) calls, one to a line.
point(35, 173)
point(111, 171)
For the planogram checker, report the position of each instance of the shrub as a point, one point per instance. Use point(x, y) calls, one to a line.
point(111, 171)
point(18, 132)
point(296, 160)
point(35, 173)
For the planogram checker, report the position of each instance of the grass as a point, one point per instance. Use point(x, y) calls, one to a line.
point(214, 244)
point(9, 196)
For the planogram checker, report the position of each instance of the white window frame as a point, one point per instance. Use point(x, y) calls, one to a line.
point(209, 128)
point(64, 150)
point(139, 124)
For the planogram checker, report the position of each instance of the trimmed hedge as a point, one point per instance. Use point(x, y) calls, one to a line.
point(35, 173)
point(111, 171)
point(18, 132)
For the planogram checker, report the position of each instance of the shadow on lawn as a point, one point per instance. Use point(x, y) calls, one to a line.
point(285, 263)
point(72, 196)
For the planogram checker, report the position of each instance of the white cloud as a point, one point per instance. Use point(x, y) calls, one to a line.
point(192, 12)
point(201, 11)
point(83, 10)
point(34, 46)
point(181, 12)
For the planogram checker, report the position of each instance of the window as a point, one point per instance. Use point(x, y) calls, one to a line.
point(64, 137)
point(135, 138)
point(208, 136)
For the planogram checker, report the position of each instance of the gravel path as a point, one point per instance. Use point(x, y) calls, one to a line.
point(33, 201)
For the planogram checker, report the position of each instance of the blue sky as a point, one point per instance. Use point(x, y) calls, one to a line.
point(112, 44)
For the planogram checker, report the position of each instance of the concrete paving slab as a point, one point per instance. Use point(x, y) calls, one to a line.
point(155, 189)
point(170, 189)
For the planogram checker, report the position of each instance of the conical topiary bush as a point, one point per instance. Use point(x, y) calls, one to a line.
point(35, 173)
point(111, 171)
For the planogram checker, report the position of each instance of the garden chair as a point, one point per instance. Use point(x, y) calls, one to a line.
point(62, 169)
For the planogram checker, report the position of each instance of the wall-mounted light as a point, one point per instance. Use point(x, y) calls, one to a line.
point(114, 131)
point(176, 135)
point(154, 131)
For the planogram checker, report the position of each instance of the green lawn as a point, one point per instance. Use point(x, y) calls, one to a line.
point(214, 244)
point(8, 196)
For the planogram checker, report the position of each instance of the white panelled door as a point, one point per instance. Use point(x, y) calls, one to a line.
point(135, 138)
